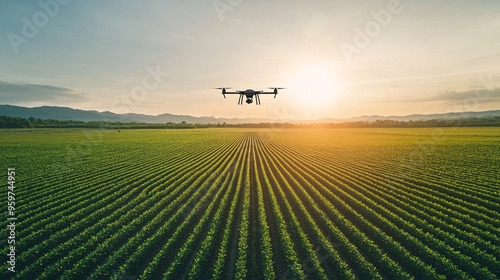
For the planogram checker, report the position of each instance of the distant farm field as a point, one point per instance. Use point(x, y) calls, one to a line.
point(253, 203)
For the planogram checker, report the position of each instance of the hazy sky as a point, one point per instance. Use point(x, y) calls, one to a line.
point(337, 58)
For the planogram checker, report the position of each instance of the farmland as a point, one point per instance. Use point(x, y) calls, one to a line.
point(254, 203)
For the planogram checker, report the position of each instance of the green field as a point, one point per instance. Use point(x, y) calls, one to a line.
point(254, 203)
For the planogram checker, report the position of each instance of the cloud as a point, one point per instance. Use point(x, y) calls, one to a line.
point(473, 94)
point(15, 93)
point(486, 95)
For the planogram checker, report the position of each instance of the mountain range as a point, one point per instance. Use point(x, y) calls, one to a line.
point(65, 113)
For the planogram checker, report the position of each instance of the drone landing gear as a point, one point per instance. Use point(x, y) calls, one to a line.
point(249, 99)
point(257, 99)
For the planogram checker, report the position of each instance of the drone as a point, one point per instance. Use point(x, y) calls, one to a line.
point(249, 94)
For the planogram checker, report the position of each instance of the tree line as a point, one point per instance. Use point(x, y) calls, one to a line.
point(493, 121)
point(31, 122)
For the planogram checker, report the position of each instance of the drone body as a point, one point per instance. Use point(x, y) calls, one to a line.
point(249, 94)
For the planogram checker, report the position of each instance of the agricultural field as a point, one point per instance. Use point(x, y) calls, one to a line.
point(253, 203)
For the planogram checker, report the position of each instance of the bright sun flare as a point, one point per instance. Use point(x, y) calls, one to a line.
point(315, 89)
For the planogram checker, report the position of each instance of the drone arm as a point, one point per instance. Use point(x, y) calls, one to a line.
point(272, 92)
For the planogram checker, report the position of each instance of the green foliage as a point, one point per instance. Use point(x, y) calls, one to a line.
point(256, 203)
point(18, 122)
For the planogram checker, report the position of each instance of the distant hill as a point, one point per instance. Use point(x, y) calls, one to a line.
point(65, 113)
point(422, 117)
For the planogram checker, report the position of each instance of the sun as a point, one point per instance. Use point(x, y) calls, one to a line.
point(316, 89)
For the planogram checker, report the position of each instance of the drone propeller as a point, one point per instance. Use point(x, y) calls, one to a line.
point(276, 90)
point(223, 88)
point(224, 91)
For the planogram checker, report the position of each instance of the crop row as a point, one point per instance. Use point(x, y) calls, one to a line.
point(241, 204)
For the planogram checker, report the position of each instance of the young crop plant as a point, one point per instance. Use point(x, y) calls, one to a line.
point(245, 203)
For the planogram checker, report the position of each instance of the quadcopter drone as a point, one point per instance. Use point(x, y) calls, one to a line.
point(249, 94)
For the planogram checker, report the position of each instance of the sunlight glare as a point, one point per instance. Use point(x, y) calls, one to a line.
point(315, 89)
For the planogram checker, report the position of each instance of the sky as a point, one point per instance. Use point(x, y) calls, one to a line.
point(336, 59)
